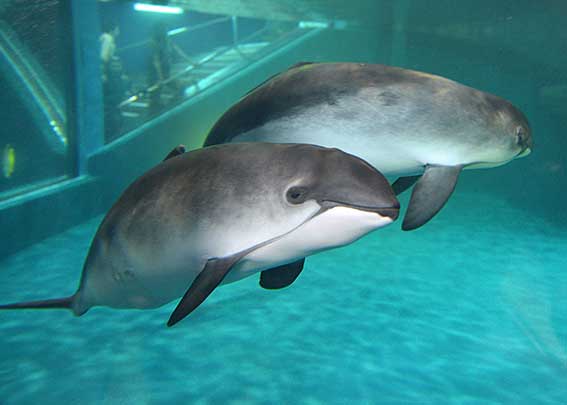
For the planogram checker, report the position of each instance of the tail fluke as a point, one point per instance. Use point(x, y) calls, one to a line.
point(66, 303)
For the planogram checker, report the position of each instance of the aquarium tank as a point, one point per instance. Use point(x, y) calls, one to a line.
point(467, 308)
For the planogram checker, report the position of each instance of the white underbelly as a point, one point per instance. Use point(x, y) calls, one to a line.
point(336, 227)
point(388, 159)
point(141, 286)
point(392, 147)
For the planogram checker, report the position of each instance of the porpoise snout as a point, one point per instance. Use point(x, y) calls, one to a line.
point(390, 212)
point(371, 191)
point(353, 183)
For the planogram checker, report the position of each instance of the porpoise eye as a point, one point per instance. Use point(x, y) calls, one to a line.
point(520, 135)
point(296, 195)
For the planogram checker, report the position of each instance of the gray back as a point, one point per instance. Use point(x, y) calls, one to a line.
point(426, 95)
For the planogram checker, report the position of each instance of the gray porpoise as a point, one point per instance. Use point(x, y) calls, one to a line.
point(403, 122)
point(219, 214)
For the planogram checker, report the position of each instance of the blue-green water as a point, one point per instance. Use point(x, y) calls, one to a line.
point(468, 310)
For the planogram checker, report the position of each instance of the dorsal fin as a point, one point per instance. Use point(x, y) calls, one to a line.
point(178, 150)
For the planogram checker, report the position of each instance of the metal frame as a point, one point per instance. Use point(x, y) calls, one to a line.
point(236, 42)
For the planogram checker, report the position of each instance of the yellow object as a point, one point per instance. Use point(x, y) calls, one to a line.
point(8, 161)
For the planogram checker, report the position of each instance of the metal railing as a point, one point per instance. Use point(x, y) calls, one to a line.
point(176, 31)
point(234, 46)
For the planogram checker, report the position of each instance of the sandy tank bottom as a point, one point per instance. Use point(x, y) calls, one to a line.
point(469, 309)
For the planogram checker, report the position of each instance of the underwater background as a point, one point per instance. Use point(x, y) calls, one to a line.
point(469, 309)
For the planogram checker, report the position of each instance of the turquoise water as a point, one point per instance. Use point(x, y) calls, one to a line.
point(468, 310)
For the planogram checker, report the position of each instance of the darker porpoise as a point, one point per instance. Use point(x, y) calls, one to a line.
point(219, 214)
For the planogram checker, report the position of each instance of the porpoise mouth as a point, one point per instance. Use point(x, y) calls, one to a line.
point(523, 153)
point(391, 212)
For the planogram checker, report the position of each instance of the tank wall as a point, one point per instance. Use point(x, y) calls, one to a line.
point(120, 163)
point(115, 166)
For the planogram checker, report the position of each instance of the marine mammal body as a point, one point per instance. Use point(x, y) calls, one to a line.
point(401, 121)
point(220, 214)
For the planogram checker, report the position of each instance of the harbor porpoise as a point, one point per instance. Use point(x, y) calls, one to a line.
point(408, 124)
point(219, 214)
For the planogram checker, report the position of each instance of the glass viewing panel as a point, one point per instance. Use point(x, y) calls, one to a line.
point(154, 58)
point(34, 83)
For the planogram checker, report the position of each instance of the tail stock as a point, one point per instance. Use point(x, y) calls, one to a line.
point(64, 303)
